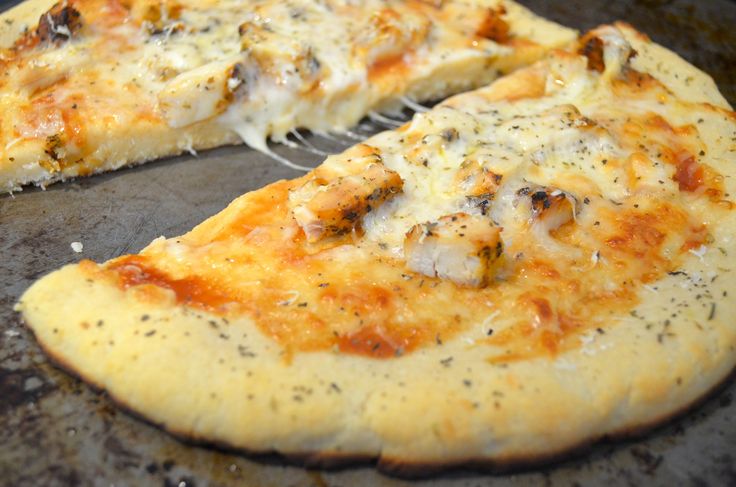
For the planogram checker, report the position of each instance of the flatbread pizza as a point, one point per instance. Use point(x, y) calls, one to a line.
point(93, 85)
point(522, 270)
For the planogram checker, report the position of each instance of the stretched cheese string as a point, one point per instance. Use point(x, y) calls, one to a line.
point(413, 105)
point(283, 160)
point(308, 146)
point(255, 138)
point(390, 122)
point(257, 141)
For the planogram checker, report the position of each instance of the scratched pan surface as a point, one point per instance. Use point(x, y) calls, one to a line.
point(56, 431)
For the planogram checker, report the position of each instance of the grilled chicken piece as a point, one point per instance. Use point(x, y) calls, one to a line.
point(155, 12)
point(478, 184)
point(270, 50)
point(390, 34)
point(463, 248)
point(59, 24)
point(476, 181)
point(202, 92)
point(607, 50)
point(549, 208)
point(325, 208)
point(431, 147)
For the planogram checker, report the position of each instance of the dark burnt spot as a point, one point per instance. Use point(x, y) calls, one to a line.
point(450, 135)
point(632, 54)
point(53, 145)
point(485, 253)
point(350, 214)
point(482, 202)
point(313, 63)
point(592, 48)
point(59, 24)
point(168, 31)
point(243, 351)
point(237, 75)
point(540, 200)
point(377, 194)
point(19, 387)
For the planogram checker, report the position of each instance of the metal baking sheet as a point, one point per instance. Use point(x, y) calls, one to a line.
point(56, 431)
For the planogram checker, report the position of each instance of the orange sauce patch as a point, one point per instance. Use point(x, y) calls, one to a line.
point(306, 297)
point(356, 299)
point(494, 27)
point(135, 270)
point(678, 147)
point(558, 300)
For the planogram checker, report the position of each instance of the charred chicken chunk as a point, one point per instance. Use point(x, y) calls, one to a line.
point(430, 147)
point(476, 181)
point(203, 92)
point(463, 248)
point(59, 24)
point(607, 50)
point(325, 208)
point(549, 208)
point(478, 184)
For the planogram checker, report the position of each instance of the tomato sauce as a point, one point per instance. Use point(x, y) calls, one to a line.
point(251, 260)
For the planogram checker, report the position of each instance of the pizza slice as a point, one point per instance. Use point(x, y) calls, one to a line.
point(93, 85)
point(522, 270)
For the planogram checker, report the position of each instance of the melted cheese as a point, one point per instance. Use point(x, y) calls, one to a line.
point(595, 195)
point(211, 71)
point(582, 137)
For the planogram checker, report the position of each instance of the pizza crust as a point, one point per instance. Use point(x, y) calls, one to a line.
point(626, 381)
point(685, 80)
point(394, 466)
point(212, 379)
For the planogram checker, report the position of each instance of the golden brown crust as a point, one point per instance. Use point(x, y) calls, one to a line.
point(396, 466)
point(613, 313)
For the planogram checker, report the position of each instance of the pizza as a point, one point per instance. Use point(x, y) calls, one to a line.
point(525, 269)
point(93, 85)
